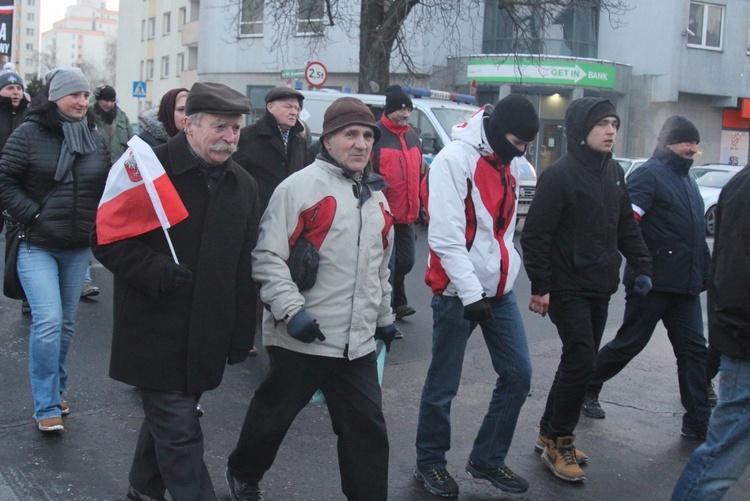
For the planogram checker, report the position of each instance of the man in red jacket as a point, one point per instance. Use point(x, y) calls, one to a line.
point(398, 159)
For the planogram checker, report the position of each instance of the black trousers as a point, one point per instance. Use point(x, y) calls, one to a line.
point(402, 261)
point(580, 323)
point(169, 453)
point(353, 397)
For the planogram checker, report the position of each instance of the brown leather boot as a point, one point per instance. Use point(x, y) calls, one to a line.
point(560, 456)
point(541, 442)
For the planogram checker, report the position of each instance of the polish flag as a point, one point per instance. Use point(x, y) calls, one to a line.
point(138, 196)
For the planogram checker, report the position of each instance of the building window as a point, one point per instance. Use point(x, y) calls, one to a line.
point(166, 25)
point(143, 30)
point(30, 16)
point(251, 18)
point(192, 62)
point(151, 27)
point(705, 25)
point(29, 46)
point(179, 64)
point(257, 94)
point(181, 18)
point(30, 31)
point(149, 69)
point(310, 17)
point(30, 2)
point(140, 73)
point(165, 67)
point(570, 30)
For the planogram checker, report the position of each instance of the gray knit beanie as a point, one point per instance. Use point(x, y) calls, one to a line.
point(66, 80)
point(10, 77)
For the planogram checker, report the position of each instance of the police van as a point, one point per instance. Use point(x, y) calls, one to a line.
point(433, 116)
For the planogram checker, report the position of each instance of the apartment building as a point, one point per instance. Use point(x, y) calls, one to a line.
point(25, 40)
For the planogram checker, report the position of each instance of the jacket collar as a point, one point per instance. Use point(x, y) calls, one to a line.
point(393, 126)
point(668, 157)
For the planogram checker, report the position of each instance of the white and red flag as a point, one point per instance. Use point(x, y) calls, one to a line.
point(138, 197)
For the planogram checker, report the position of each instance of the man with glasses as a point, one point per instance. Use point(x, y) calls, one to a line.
point(111, 122)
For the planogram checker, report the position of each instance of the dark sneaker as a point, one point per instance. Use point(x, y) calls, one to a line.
point(399, 334)
point(242, 491)
point(403, 311)
point(713, 398)
point(501, 477)
point(697, 431)
point(200, 410)
point(25, 308)
point(592, 408)
point(437, 481)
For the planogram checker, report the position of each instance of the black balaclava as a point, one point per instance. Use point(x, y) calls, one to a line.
point(513, 114)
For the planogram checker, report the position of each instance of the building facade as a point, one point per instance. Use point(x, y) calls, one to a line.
point(25, 48)
point(87, 38)
point(653, 60)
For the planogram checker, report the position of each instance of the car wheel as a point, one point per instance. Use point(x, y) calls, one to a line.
point(711, 221)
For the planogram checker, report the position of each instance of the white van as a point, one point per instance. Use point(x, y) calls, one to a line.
point(434, 114)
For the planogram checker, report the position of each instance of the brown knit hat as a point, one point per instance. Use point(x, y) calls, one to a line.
point(347, 111)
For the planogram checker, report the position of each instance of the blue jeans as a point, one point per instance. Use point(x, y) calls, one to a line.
point(505, 337)
point(402, 261)
point(681, 315)
point(725, 455)
point(51, 279)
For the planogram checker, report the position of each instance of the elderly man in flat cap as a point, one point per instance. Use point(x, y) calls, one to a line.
point(322, 262)
point(176, 326)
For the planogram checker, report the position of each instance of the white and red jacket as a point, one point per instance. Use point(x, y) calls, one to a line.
point(354, 237)
point(397, 157)
point(473, 197)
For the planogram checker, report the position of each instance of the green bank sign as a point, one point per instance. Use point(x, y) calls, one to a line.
point(545, 71)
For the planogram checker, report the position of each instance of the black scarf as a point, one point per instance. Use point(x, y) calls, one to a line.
point(107, 116)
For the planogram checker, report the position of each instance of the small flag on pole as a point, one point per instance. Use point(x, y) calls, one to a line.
point(138, 197)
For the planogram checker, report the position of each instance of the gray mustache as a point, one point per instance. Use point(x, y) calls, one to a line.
point(224, 147)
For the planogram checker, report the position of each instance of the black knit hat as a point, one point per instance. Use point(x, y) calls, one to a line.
point(396, 99)
point(513, 114)
point(105, 92)
point(678, 129)
point(10, 77)
point(601, 110)
point(215, 98)
point(347, 111)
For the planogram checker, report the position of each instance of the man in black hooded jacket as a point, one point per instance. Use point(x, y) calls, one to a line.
point(578, 224)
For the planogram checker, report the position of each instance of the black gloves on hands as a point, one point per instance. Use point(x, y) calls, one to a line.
point(175, 275)
point(386, 334)
point(478, 311)
point(304, 328)
point(236, 355)
point(641, 285)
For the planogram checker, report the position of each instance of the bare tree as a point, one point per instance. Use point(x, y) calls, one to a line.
point(385, 29)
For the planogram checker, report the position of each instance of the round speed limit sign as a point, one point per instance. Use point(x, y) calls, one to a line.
point(316, 74)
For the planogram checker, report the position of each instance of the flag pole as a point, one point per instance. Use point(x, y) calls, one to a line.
point(149, 184)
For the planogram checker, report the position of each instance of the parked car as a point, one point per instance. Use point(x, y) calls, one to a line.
point(630, 164)
point(711, 178)
point(527, 185)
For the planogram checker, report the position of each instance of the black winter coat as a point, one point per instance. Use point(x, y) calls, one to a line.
point(179, 341)
point(580, 220)
point(729, 276)
point(261, 152)
point(672, 223)
point(10, 119)
point(27, 170)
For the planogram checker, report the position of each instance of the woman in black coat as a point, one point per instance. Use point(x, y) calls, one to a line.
point(52, 174)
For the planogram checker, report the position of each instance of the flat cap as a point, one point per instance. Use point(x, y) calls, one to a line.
point(282, 93)
point(216, 98)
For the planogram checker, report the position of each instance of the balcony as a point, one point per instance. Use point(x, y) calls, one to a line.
point(190, 33)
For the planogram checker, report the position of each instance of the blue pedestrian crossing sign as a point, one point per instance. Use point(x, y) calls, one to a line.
point(139, 89)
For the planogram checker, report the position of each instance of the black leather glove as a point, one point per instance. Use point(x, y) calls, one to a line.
point(175, 275)
point(304, 328)
point(478, 311)
point(641, 285)
point(386, 334)
point(236, 355)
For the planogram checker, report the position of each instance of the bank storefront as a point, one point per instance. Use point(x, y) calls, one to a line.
point(550, 83)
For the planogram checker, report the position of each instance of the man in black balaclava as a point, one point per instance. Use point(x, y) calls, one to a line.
point(668, 204)
point(473, 263)
point(578, 224)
